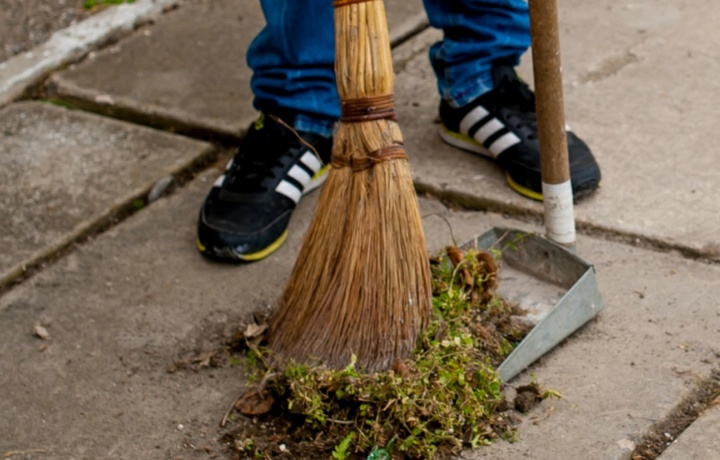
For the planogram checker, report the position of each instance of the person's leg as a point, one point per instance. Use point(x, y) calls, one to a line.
point(485, 107)
point(286, 151)
point(476, 34)
point(292, 60)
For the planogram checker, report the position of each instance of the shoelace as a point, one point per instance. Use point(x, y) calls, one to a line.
point(519, 104)
point(258, 160)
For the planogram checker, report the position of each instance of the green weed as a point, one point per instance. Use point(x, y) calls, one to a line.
point(90, 4)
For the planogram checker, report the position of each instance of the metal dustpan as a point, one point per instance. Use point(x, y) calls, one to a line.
point(557, 289)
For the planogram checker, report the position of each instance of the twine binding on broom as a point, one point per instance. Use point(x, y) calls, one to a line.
point(394, 152)
point(368, 109)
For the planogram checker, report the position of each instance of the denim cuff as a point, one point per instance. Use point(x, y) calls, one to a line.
point(458, 97)
point(322, 126)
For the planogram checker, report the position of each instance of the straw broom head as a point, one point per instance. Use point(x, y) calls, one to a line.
point(361, 284)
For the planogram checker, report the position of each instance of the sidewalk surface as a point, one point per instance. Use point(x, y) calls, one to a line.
point(138, 128)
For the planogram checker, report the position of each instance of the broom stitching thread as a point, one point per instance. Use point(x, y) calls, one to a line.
point(393, 152)
point(368, 108)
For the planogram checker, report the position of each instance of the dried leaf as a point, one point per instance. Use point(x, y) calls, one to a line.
point(255, 330)
point(254, 402)
point(491, 269)
point(203, 359)
point(400, 368)
point(455, 255)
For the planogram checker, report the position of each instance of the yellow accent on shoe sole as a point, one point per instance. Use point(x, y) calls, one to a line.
point(265, 252)
point(464, 142)
point(322, 172)
point(201, 247)
point(524, 191)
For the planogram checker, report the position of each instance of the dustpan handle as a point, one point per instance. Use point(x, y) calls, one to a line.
point(554, 162)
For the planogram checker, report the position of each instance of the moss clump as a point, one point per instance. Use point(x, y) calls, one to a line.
point(443, 399)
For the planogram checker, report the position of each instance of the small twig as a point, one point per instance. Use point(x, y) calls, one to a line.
point(300, 138)
point(634, 417)
point(223, 422)
point(263, 383)
point(341, 422)
point(12, 453)
point(499, 239)
point(447, 222)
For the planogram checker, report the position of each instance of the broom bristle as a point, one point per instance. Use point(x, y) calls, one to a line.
point(361, 283)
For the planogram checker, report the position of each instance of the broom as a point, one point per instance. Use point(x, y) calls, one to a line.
point(361, 284)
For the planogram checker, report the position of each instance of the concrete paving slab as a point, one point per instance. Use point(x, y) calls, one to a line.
point(72, 43)
point(63, 172)
point(121, 308)
point(700, 441)
point(189, 75)
point(637, 79)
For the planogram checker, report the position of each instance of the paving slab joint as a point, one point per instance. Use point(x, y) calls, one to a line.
point(409, 29)
point(468, 202)
point(119, 110)
point(708, 254)
point(663, 433)
point(111, 218)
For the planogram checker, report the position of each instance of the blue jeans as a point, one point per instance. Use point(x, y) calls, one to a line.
point(292, 58)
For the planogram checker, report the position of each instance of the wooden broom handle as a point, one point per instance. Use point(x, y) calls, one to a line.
point(549, 104)
point(548, 91)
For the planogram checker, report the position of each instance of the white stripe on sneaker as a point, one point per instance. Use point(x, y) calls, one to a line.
point(300, 175)
point(503, 143)
point(487, 130)
point(472, 117)
point(311, 162)
point(289, 190)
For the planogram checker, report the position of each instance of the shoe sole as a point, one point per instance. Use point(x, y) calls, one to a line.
point(469, 144)
point(229, 254)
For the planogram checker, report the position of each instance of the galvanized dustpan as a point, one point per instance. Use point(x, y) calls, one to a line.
point(556, 287)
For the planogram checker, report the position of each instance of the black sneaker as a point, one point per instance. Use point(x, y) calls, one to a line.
point(502, 124)
point(246, 214)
